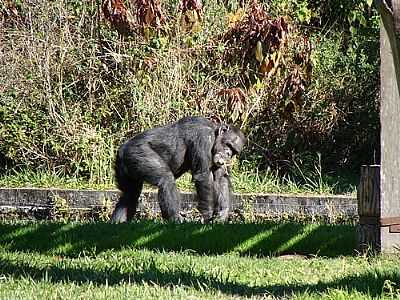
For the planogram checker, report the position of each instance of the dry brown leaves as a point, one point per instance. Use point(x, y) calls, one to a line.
point(186, 5)
point(192, 11)
point(119, 16)
point(256, 27)
point(236, 101)
point(149, 13)
point(294, 85)
point(10, 14)
point(275, 52)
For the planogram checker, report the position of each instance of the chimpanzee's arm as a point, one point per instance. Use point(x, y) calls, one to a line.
point(222, 193)
point(201, 158)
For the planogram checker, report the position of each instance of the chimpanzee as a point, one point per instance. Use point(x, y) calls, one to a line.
point(160, 155)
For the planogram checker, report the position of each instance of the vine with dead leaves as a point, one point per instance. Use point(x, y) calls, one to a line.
point(268, 50)
point(120, 18)
point(148, 15)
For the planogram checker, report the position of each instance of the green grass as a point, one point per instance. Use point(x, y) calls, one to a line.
point(147, 274)
point(244, 181)
point(262, 239)
point(150, 260)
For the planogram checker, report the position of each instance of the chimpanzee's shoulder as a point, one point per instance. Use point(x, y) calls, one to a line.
point(195, 120)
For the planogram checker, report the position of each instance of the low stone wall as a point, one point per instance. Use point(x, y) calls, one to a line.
point(43, 203)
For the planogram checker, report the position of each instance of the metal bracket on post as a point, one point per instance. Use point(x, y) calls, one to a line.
point(392, 222)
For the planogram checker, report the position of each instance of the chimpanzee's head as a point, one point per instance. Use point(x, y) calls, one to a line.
point(229, 142)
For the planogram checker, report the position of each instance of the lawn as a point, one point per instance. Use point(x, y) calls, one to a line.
point(152, 260)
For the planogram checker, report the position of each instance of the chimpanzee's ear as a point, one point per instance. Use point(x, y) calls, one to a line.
point(223, 128)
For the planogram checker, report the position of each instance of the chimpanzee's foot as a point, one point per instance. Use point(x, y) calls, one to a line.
point(221, 216)
point(120, 215)
point(177, 218)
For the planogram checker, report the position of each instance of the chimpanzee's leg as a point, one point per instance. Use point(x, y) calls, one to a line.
point(157, 172)
point(169, 199)
point(222, 194)
point(127, 205)
point(205, 192)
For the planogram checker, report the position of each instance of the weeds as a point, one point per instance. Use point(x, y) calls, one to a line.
point(60, 209)
point(245, 180)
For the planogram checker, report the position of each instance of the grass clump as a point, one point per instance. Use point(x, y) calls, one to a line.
point(245, 180)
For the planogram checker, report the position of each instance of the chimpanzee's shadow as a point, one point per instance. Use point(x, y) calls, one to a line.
point(246, 239)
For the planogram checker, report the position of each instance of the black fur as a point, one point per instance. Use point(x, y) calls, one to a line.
point(160, 155)
point(222, 193)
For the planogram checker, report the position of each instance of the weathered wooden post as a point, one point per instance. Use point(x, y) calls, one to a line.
point(387, 213)
point(368, 198)
point(390, 125)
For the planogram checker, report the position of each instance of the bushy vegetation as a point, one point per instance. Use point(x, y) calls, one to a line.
point(299, 77)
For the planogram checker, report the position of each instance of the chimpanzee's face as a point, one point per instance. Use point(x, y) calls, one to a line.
point(229, 142)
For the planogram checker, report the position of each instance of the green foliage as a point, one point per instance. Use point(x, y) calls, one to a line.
point(78, 89)
point(339, 115)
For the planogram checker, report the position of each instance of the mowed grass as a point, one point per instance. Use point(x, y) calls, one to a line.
point(154, 260)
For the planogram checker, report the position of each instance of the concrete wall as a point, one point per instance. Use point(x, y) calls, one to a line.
point(32, 200)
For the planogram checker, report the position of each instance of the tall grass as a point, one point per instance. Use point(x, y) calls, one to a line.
point(243, 180)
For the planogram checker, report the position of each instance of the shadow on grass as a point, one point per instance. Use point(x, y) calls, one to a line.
point(246, 239)
point(369, 283)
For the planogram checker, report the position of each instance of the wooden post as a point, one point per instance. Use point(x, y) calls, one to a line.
point(368, 198)
point(379, 204)
point(390, 125)
point(378, 229)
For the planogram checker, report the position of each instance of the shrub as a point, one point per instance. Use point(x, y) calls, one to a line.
point(78, 88)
